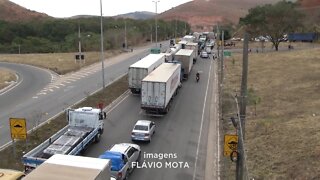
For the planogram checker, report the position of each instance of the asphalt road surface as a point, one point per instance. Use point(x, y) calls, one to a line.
point(183, 132)
point(37, 99)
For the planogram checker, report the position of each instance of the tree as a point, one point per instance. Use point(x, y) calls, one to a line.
point(273, 21)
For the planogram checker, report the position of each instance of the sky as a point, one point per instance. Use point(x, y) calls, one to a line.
point(68, 8)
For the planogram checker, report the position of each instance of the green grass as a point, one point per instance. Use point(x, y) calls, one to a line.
point(282, 132)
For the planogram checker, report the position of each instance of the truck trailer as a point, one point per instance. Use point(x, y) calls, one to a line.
point(159, 87)
point(141, 69)
point(68, 167)
point(85, 125)
point(194, 47)
point(185, 56)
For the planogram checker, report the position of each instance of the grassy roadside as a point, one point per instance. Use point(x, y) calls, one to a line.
point(107, 95)
point(60, 63)
point(261, 46)
point(5, 77)
point(282, 129)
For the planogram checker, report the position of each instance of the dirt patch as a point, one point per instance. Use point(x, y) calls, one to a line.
point(60, 63)
point(6, 76)
point(282, 129)
point(106, 96)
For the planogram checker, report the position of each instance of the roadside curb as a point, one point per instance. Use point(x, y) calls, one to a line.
point(212, 168)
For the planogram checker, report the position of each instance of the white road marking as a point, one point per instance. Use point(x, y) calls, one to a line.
point(202, 118)
point(53, 86)
point(78, 75)
point(35, 97)
point(41, 93)
point(117, 104)
point(51, 90)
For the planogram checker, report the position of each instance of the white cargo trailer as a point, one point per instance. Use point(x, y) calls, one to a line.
point(68, 167)
point(185, 56)
point(141, 69)
point(159, 87)
point(194, 47)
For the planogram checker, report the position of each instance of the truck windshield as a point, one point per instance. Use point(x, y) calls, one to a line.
point(83, 119)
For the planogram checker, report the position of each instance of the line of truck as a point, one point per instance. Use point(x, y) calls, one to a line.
point(158, 81)
point(156, 77)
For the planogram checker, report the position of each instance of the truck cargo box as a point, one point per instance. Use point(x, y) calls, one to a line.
point(194, 47)
point(141, 69)
point(159, 87)
point(67, 167)
point(185, 56)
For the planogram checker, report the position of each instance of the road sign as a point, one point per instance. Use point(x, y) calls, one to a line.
point(230, 144)
point(227, 53)
point(18, 128)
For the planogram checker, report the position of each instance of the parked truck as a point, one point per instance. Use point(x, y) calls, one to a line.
point(193, 46)
point(159, 88)
point(85, 125)
point(185, 56)
point(141, 69)
point(67, 167)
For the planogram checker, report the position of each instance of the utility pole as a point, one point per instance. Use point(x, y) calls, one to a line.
point(222, 58)
point(79, 37)
point(101, 40)
point(242, 115)
point(218, 37)
point(156, 19)
point(125, 34)
point(175, 29)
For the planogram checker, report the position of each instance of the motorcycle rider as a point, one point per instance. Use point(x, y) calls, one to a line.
point(197, 76)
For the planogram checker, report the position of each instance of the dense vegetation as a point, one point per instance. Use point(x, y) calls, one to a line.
point(273, 21)
point(61, 35)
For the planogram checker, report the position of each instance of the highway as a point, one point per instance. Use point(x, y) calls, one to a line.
point(37, 99)
point(183, 131)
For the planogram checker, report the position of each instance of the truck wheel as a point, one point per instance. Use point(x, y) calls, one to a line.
point(97, 138)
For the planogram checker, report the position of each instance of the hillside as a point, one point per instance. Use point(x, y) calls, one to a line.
point(202, 14)
point(137, 15)
point(312, 9)
point(12, 12)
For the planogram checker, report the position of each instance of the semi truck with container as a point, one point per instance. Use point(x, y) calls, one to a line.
point(68, 167)
point(185, 56)
point(194, 47)
point(141, 69)
point(85, 126)
point(159, 88)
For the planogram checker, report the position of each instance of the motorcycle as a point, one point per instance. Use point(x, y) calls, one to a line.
point(197, 77)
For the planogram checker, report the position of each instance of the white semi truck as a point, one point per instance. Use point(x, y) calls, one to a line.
point(159, 87)
point(185, 56)
point(85, 125)
point(194, 47)
point(141, 69)
point(68, 167)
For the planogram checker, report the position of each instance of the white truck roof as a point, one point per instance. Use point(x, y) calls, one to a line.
point(162, 73)
point(183, 42)
point(69, 167)
point(192, 44)
point(147, 61)
point(88, 109)
point(185, 52)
